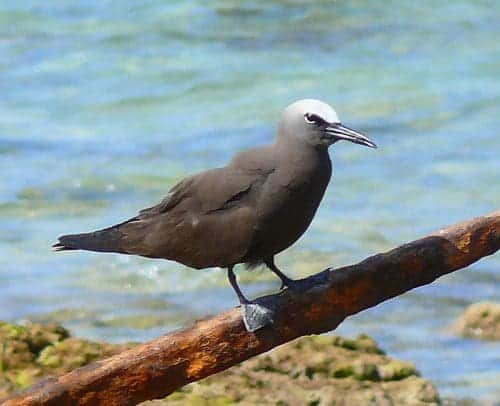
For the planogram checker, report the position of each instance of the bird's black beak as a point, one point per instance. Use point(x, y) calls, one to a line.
point(338, 132)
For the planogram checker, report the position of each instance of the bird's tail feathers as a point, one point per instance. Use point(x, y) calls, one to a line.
point(110, 239)
point(59, 246)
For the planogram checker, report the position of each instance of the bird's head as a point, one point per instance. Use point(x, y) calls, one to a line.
point(317, 124)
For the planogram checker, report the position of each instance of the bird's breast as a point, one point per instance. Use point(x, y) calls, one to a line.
point(287, 206)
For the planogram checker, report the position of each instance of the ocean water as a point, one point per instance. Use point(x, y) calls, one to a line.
point(105, 105)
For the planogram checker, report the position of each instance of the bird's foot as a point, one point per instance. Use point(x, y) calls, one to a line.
point(256, 316)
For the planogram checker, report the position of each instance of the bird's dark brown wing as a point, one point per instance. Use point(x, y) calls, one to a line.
point(206, 220)
point(174, 196)
point(219, 188)
point(206, 192)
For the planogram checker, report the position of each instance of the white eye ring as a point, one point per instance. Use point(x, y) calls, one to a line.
point(312, 118)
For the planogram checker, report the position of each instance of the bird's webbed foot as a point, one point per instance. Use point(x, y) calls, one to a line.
point(256, 316)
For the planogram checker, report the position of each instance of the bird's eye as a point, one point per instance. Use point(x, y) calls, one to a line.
point(313, 119)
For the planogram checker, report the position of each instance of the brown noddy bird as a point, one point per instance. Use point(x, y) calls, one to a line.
point(246, 212)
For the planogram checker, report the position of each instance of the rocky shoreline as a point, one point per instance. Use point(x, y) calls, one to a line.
point(480, 321)
point(311, 370)
point(319, 370)
point(32, 351)
point(314, 370)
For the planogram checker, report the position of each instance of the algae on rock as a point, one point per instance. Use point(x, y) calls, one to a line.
point(32, 351)
point(309, 371)
point(316, 370)
point(480, 320)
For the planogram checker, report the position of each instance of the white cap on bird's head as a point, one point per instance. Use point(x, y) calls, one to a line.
point(318, 124)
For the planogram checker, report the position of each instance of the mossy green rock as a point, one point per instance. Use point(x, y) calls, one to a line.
point(31, 351)
point(365, 371)
point(396, 370)
point(362, 343)
point(319, 370)
point(69, 354)
point(309, 371)
point(481, 321)
point(35, 336)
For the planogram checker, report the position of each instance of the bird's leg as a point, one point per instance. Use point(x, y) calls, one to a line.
point(255, 316)
point(232, 280)
point(286, 282)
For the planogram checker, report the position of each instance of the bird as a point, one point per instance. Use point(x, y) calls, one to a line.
point(246, 212)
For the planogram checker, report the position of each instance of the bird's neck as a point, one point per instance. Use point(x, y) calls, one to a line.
point(303, 160)
point(300, 149)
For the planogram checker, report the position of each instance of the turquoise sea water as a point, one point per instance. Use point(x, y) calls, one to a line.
point(105, 105)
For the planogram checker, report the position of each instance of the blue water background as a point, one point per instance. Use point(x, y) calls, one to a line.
point(105, 105)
